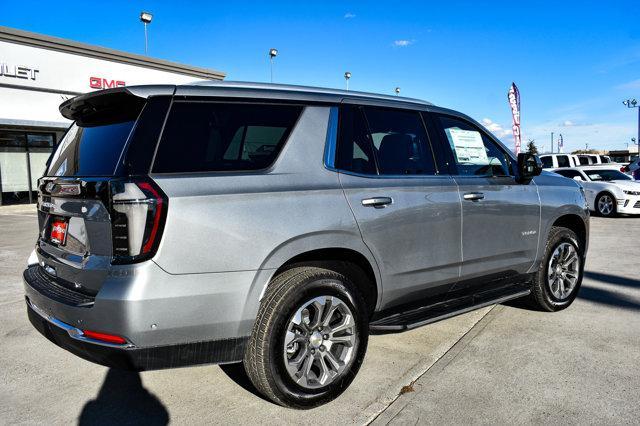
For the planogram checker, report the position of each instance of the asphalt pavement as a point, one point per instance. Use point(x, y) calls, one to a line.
point(496, 365)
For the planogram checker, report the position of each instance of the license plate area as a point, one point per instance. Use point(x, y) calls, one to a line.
point(58, 227)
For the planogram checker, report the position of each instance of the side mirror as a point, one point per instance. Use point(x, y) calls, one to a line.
point(578, 178)
point(529, 166)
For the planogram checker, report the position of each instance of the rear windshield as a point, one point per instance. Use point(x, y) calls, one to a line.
point(90, 151)
point(208, 136)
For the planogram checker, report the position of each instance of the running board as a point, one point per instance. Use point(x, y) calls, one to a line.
point(424, 315)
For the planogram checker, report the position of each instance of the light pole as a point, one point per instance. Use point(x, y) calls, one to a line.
point(552, 142)
point(632, 103)
point(397, 90)
point(145, 18)
point(272, 54)
point(347, 76)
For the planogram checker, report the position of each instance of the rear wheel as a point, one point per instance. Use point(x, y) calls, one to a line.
point(606, 205)
point(309, 338)
point(560, 274)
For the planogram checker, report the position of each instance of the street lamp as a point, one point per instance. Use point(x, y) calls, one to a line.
point(145, 18)
point(347, 76)
point(397, 90)
point(632, 103)
point(272, 54)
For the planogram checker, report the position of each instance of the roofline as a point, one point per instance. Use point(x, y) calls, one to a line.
point(290, 92)
point(27, 38)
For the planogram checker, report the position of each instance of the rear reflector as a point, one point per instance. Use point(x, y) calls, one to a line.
point(104, 337)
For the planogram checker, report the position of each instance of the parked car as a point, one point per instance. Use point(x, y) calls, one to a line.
point(553, 161)
point(608, 190)
point(279, 225)
point(593, 159)
point(632, 169)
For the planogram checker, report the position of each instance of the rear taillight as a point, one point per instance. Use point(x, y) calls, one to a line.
point(138, 212)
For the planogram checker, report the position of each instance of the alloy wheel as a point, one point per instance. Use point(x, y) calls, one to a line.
point(605, 205)
point(320, 342)
point(563, 270)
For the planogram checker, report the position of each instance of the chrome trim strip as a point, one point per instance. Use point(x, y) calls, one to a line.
point(74, 333)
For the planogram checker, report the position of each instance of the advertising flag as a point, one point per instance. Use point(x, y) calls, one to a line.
point(514, 104)
point(560, 144)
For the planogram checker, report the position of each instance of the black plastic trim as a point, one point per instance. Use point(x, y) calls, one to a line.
point(142, 359)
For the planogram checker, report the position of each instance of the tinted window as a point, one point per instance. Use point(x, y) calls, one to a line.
point(605, 159)
point(568, 173)
point(563, 161)
point(547, 162)
point(584, 161)
point(355, 150)
point(206, 137)
point(606, 175)
point(90, 151)
point(400, 142)
point(474, 152)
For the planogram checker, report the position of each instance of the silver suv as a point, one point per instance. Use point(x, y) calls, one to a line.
point(279, 226)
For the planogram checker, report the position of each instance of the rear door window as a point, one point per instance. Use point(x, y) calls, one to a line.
point(209, 137)
point(400, 142)
point(563, 161)
point(90, 151)
point(383, 141)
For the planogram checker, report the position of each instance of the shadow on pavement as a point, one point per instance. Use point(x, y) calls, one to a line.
point(607, 297)
point(122, 399)
point(236, 373)
point(612, 279)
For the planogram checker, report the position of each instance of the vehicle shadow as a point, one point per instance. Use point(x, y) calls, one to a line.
point(612, 279)
point(123, 400)
point(237, 373)
point(606, 297)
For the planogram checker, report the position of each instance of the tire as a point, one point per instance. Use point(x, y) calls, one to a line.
point(270, 364)
point(547, 293)
point(606, 205)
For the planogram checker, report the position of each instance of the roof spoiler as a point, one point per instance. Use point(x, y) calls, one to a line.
point(111, 105)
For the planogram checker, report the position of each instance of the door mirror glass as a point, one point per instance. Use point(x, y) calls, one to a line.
point(578, 178)
point(529, 166)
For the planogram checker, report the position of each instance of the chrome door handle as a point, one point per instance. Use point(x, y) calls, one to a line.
point(377, 202)
point(473, 196)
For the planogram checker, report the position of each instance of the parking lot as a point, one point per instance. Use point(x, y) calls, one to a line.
point(500, 364)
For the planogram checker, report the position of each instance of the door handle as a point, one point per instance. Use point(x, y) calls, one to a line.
point(377, 202)
point(473, 196)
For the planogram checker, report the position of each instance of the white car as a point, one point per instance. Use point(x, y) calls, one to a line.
point(553, 161)
point(607, 189)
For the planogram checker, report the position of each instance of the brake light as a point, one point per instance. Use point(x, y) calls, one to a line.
point(138, 213)
point(104, 337)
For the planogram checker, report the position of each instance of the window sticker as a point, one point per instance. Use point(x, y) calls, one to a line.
point(467, 146)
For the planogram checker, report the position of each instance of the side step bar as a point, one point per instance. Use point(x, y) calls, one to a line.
point(424, 315)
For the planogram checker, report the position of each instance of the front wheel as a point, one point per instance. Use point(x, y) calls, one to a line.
point(309, 338)
point(559, 276)
point(606, 205)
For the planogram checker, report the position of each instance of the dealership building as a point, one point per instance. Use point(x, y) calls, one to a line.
point(37, 74)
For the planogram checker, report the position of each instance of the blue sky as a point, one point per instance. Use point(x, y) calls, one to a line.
point(574, 62)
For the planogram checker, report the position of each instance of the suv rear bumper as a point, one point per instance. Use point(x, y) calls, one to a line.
point(167, 320)
point(138, 359)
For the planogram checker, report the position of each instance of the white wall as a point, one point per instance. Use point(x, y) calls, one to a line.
point(62, 72)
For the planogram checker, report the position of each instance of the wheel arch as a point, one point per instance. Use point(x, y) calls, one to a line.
point(575, 223)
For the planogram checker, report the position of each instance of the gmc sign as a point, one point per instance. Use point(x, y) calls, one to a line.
point(103, 83)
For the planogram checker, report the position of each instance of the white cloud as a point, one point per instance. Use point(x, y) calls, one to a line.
point(568, 123)
point(349, 15)
point(495, 128)
point(601, 136)
point(403, 43)
point(632, 85)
